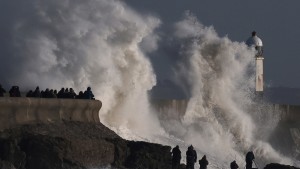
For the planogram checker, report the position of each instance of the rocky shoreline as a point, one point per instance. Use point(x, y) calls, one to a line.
point(78, 145)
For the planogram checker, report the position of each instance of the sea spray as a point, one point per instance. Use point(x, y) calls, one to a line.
point(102, 44)
point(97, 43)
point(222, 117)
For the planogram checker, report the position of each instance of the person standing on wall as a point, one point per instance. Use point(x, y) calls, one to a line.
point(191, 157)
point(249, 159)
point(176, 157)
point(2, 91)
point(233, 165)
point(203, 162)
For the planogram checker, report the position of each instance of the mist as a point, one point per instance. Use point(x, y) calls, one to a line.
point(79, 44)
point(222, 117)
point(106, 45)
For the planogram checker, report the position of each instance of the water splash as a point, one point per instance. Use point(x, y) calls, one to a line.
point(222, 119)
point(77, 44)
point(102, 44)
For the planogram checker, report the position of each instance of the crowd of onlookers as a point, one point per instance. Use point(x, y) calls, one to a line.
point(50, 93)
point(191, 159)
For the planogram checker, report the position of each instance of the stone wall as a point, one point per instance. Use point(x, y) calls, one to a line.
point(18, 111)
point(176, 108)
point(289, 112)
point(170, 108)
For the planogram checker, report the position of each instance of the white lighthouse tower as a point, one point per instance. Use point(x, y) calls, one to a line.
point(256, 42)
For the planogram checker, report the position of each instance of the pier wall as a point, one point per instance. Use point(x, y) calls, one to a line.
point(289, 112)
point(21, 110)
point(175, 108)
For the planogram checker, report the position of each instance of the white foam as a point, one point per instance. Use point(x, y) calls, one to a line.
point(99, 44)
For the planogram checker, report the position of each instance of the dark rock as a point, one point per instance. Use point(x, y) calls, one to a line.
point(279, 166)
point(77, 145)
point(144, 155)
point(182, 166)
point(6, 165)
point(10, 151)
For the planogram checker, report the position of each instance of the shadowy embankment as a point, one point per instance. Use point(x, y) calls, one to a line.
point(279, 166)
point(76, 145)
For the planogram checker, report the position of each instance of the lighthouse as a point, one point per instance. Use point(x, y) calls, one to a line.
point(256, 42)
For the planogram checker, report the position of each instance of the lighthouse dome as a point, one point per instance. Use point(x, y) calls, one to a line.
point(254, 40)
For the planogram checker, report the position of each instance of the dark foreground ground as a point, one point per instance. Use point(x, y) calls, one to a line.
point(76, 145)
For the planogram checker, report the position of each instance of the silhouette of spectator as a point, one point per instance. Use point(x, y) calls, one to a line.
point(55, 92)
point(233, 165)
point(249, 159)
point(42, 94)
point(52, 94)
point(37, 92)
point(29, 94)
point(191, 157)
point(72, 94)
point(176, 157)
point(18, 93)
point(66, 93)
point(88, 94)
point(14, 92)
point(61, 93)
point(2, 91)
point(80, 95)
point(47, 94)
point(203, 162)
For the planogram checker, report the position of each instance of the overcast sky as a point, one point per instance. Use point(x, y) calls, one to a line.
point(276, 22)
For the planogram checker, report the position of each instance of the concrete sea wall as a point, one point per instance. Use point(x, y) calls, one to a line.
point(178, 107)
point(17, 111)
point(289, 112)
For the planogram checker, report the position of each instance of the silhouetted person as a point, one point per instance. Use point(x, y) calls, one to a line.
point(47, 93)
point(52, 94)
point(176, 157)
point(2, 91)
point(60, 94)
point(66, 93)
point(29, 94)
point(18, 93)
point(37, 92)
point(233, 165)
point(203, 162)
point(80, 95)
point(249, 159)
point(14, 92)
point(55, 92)
point(42, 95)
point(88, 94)
point(72, 94)
point(191, 157)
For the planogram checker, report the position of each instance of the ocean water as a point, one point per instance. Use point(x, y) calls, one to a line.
point(107, 45)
